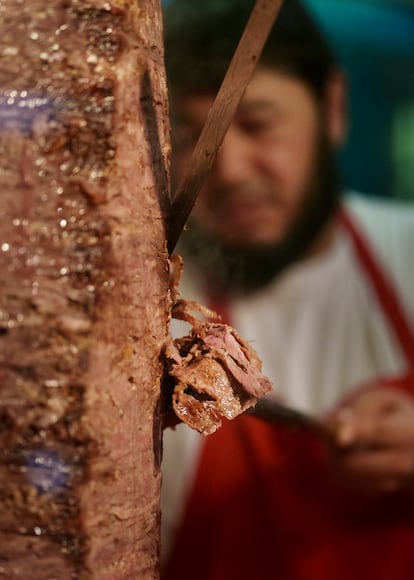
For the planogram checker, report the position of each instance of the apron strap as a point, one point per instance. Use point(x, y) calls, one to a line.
point(383, 287)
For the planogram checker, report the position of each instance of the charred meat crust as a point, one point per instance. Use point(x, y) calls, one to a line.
point(216, 374)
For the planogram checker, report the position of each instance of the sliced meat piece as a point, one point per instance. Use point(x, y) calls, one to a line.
point(219, 375)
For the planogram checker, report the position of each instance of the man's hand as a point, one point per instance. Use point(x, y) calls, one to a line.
point(374, 436)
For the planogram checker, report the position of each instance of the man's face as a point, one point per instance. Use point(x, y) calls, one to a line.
point(265, 169)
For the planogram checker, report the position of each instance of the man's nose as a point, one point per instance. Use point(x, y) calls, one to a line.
point(234, 159)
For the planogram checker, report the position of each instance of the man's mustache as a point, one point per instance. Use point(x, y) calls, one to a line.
point(248, 193)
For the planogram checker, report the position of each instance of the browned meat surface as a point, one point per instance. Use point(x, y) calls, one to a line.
point(217, 375)
point(84, 288)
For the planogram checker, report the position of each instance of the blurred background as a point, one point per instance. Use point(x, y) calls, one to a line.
point(374, 42)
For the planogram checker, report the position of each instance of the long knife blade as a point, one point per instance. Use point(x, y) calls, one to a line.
point(235, 82)
point(278, 413)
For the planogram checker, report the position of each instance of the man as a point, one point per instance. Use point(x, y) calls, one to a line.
point(321, 284)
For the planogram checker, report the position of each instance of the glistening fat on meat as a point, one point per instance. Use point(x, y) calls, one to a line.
point(84, 287)
point(216, 373)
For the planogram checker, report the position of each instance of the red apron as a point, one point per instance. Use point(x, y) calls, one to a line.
point(266, 505)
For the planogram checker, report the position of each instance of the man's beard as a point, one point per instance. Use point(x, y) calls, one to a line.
point(233, 270)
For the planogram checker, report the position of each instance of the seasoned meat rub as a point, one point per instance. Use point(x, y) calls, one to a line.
point(84, 303)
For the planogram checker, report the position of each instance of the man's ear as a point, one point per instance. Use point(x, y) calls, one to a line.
point(336, 107)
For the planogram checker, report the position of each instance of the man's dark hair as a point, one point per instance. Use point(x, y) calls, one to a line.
point(202, 35)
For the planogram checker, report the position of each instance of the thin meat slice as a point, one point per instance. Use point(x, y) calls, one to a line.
point(217, 374)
